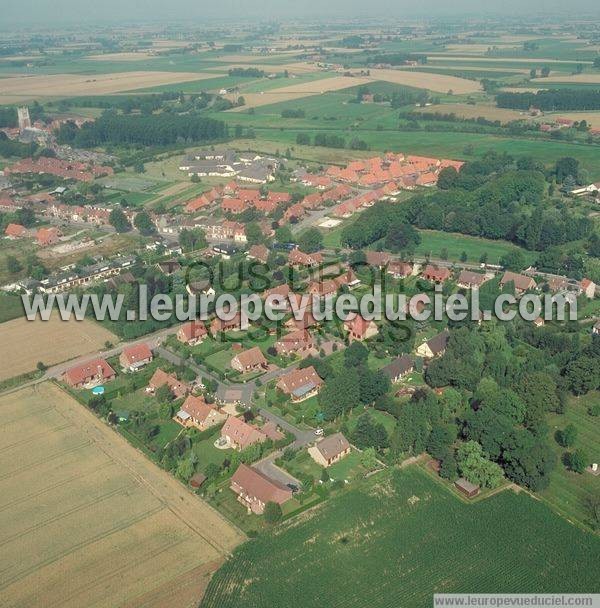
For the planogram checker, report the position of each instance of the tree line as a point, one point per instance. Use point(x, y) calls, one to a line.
point(551, 100)
point(154, 130)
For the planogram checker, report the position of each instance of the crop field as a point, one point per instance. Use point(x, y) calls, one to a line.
point(87, 520)
point(24, 343)
point(304, 89)
point(465, 110)
point(568, 491)
point(425, 80)
point(65, 85)
point(399, 538)
point(588, 78)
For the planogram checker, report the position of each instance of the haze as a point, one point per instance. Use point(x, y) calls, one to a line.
point(40, 12)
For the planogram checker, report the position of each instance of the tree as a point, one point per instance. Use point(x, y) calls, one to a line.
point(356, 354)
point(576, 461)
point(193, 239)
point(13, 265)
point(476, 468)
point(401, 237)
point(449, 467)
point(118, 220)
point(583, 375)
point(283, 234)
point(254, 233)
point(368, 459)
point(447, 178)
point(566, 166)
point(567, 437)
point(41, 366)
point(303, 139)
point(163, 394)
point(310, 240)
point(212, 470)
point(144, 224)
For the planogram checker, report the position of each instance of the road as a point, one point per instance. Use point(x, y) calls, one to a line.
point(268, 467)
point(303, 438)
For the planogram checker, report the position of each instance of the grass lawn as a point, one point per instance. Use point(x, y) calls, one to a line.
point(348, 468)
point(388, 421)
point(207, 453)
point(221, 360)
point(303, 464)
point(434, 241)
point(568, 491)
point(398, 537)
point(11, 307)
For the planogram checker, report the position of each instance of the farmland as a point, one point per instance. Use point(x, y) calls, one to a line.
point(85, 502)
point(400, 537)
point(569, 491)
point(25, 343)
point(28, 87)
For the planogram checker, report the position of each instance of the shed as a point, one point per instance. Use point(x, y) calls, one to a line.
point(469, 489)
point(197, 480)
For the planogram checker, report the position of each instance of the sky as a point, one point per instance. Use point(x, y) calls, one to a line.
point(112, 11)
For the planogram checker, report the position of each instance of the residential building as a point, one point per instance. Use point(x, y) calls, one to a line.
point(436, 274)
point(199, 414)
point(399, 368)
point(360, 329)
point(15, 231)
point(300, 384)
point(299, 258)
point(294, 343)
point(521, 282)
point(240, 434)
point(588, 288)
point(254, 489)
point(249, 360)
point(330, 450)
point(47, 236)
point(160, 378)
point(469, 279)
point(135, 357)
point(260, 253)
point(192, 333)
point(435, 347)
point(91, 373)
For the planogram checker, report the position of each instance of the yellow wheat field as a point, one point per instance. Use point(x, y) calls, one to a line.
point(87, 520)
point(24, 343)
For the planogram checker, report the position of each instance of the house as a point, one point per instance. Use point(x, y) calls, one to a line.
point(240, 434)
point(134, 357)
point(521, 282)
point(596, 328)
point(15, 231)
point(249, 360)
point(217, 324)
point(435, 274)
point(300, 384)
point(467, 488)
point(233, 205)
point(47, 236)
point(400, 270)
point(169, 267)
point(160, 378)
point(434, 347)
point(299, 258)
point(469, 279)
point(260, 253)
point(398, 368)
point(359, 328)
point(91, 373)
point(254, 489)
point(330, 450)
point(294, 343)
point(197, 413)
point(588, 288)
point(192, 333)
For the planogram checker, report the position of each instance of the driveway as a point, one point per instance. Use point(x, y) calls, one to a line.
point(303, 438)
point(268, 467)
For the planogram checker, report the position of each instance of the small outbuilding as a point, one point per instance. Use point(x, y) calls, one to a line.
point(470, 490)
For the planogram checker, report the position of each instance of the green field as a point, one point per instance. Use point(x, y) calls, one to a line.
point(399, 537)
point(569, 491)
point(434, 241)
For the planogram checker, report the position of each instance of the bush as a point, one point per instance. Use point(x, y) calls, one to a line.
point(272, 513)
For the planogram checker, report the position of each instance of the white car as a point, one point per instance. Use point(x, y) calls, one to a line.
point(318, 432)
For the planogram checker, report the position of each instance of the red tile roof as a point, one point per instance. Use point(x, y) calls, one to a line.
point(80, 374)
point(255, 484)
point(137, 352)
